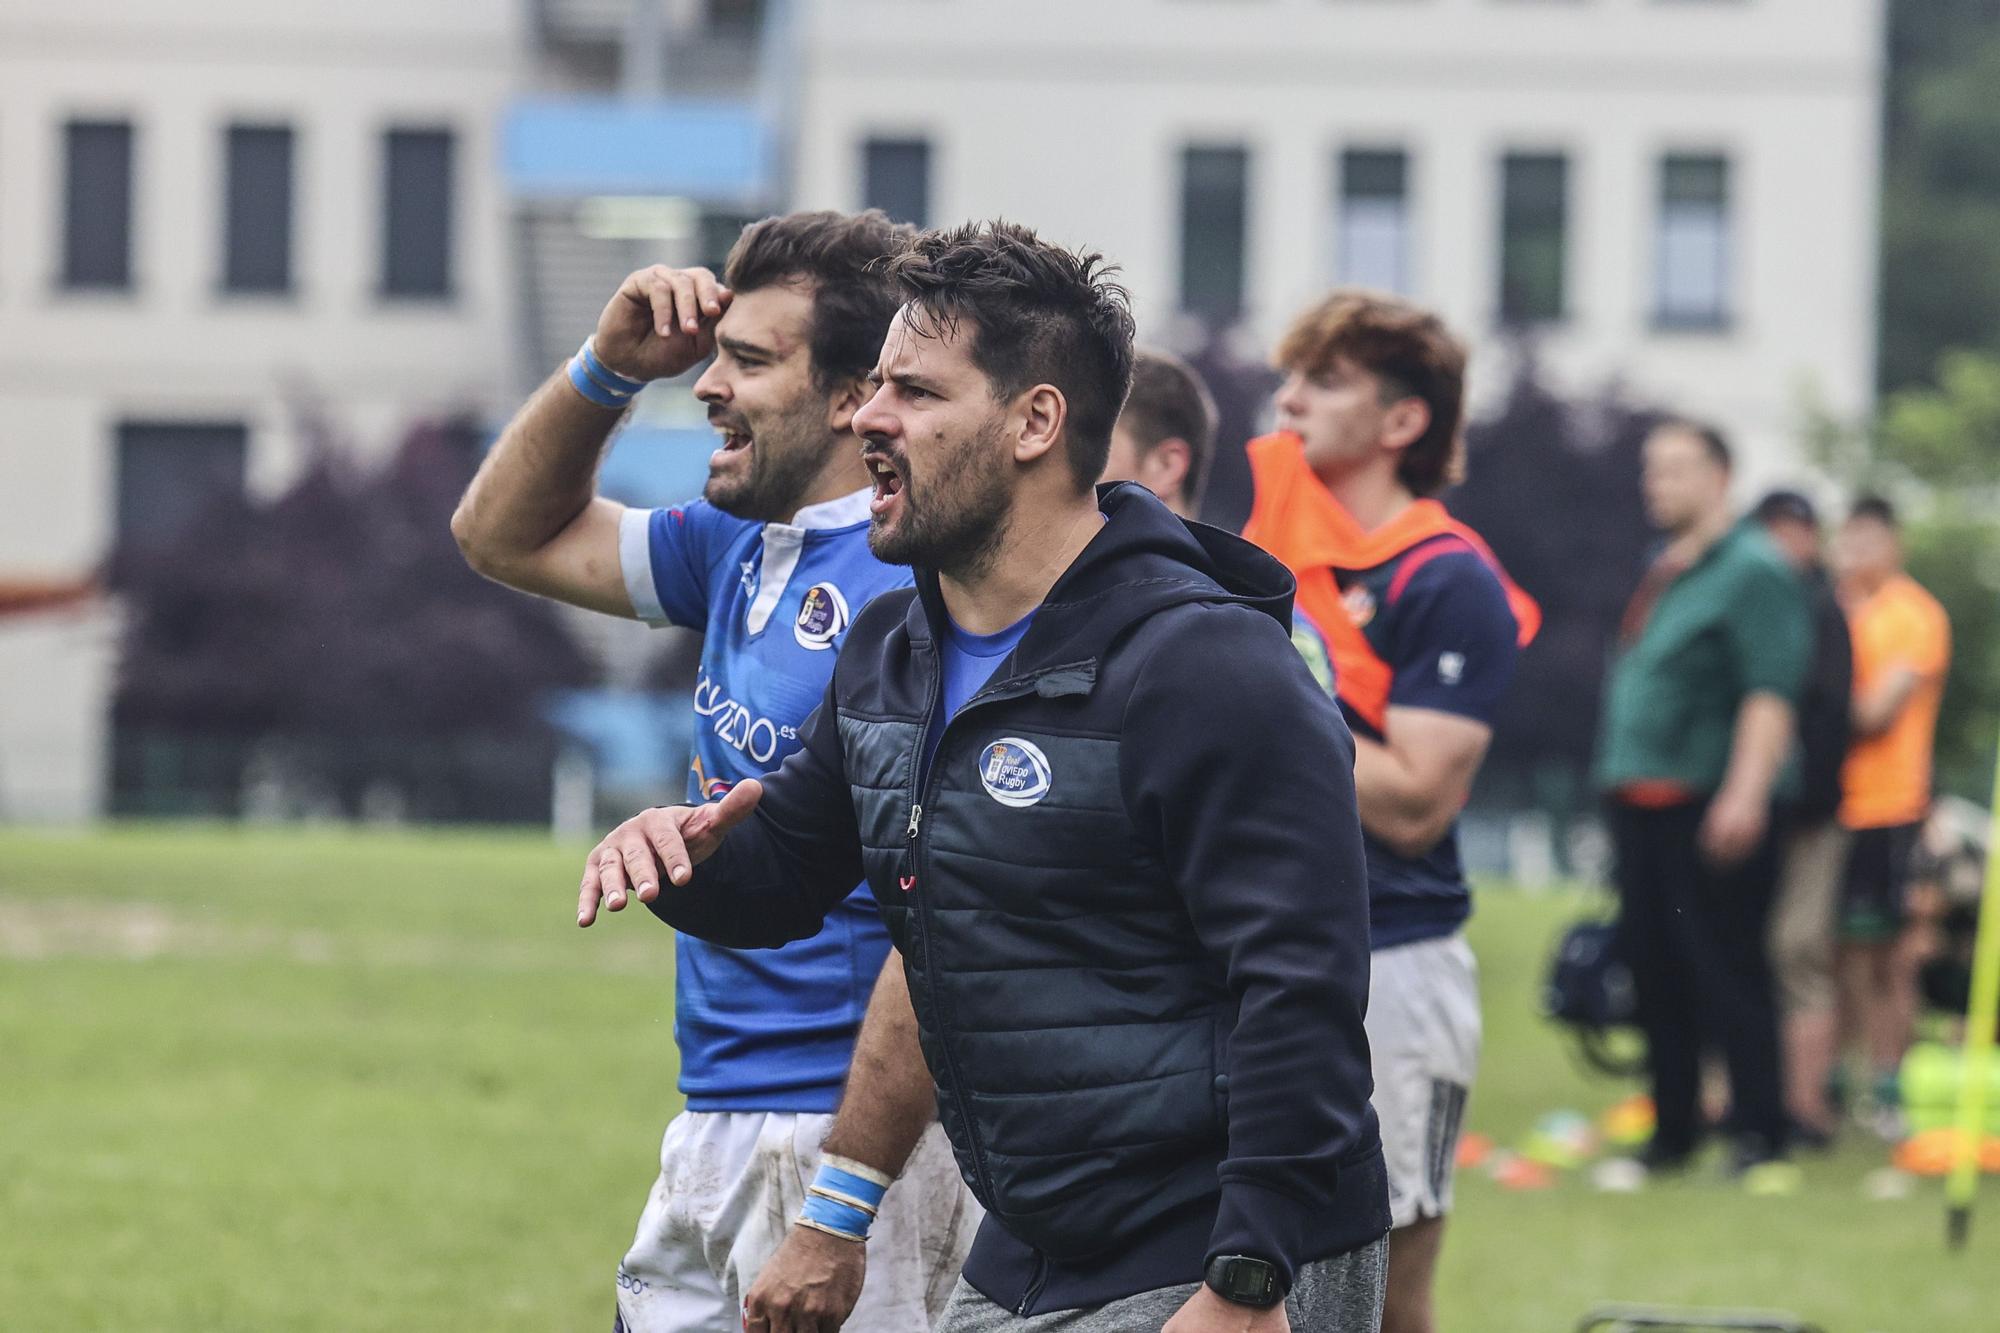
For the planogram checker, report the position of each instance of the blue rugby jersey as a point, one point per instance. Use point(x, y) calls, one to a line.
point(763, 1029)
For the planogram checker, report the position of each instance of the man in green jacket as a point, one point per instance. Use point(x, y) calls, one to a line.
point(1697, 732)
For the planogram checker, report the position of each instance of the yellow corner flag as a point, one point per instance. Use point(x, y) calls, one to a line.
point(1980, 1018)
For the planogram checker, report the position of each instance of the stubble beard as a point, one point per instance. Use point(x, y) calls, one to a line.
point(957, 528)
point(785, 461)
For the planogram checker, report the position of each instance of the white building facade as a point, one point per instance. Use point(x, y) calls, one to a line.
point(222, 223)
point(1679, 195)
point(219, 223)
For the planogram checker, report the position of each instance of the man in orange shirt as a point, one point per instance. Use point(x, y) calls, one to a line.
point(1902, 646)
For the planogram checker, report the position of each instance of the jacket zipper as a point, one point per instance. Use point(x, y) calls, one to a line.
point(1040, 1280)
point(920, 791)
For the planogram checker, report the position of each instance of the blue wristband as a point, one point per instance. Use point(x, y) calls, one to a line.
point(847, 1186)
point(843, 1202)
point(597, 393)
point(832, 1215)
point(604, 374)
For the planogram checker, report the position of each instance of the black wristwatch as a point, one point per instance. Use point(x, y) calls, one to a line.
point(1246, 1281)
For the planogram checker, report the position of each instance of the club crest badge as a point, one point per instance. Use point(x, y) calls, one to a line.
point(822, 616)
point(1014, 772)
point(1360, 604)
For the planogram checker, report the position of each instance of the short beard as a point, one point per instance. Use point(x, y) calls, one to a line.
point(785, 460)
point(958, 526)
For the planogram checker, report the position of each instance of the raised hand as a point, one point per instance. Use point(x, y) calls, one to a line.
point(668, 841)
point(661, 322)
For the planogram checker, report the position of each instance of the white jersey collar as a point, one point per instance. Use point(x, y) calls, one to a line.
point(844, 512)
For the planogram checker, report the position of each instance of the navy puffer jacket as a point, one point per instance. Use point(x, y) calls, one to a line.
point(1131, 901)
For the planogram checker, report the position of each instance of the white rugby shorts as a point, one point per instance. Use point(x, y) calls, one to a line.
point(731, 1183)
point(1423, 1039)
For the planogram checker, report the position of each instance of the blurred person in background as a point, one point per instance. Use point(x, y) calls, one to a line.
point(1407, 616)
point(1902, 649)
point(1698, 721)
point(1165, 436)
point(1111, 816)
point(1814, 857)
point(772, 563)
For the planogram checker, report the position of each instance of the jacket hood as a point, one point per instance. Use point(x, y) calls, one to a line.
point(1143, 560)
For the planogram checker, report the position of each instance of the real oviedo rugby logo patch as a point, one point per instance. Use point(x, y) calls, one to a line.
point(1014, 772)
point(822, 616)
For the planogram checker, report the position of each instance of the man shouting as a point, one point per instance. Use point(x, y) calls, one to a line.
point(1109, 817)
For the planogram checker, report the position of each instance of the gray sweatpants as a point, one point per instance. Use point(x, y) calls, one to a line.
point(1338, 1295)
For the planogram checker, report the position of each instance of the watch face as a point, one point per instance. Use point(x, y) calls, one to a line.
point(1243, 1280)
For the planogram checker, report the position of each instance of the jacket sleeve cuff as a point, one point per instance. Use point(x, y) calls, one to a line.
point(1262, 1224)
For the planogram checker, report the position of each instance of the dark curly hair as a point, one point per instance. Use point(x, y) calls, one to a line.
point(840, 256)
point(1040, 314)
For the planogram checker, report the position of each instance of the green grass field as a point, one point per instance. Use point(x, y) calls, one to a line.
point(327, 1080)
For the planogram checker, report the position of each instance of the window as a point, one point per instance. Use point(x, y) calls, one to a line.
point(896, 178)
point(257, 239)
point(1534, 217)
point(169, 472)
point(168, 475)
point(716, 234)
point(416, 230)
point(739, 17)
point(1693, 259)
point(97, 204)
point(1214, 230)
point(1374, 220)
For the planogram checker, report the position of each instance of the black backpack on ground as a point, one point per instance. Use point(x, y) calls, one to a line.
point(1589, 991)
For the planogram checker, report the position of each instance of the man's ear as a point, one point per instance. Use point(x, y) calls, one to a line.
point(851, 398)
point(1041, 413)
point(1166, 466)
point(1405, 422)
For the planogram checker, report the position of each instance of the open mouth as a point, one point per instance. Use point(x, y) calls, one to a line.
point(888, 483)
point(735, 435)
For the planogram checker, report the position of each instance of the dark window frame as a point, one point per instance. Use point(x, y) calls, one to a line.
point(240, 275)
point(1351, 189)
point(743, 19)
point(1721, 316)
point(418, 266)
point(142, 522)
point(1529, 222)
point(879, 191)
point(1218, 292)
point(98, 231)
